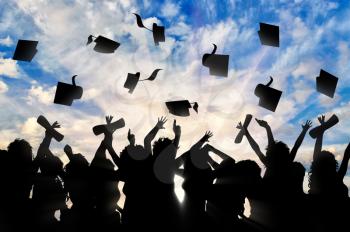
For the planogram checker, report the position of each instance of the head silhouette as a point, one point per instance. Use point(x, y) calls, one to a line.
point(277, 153)
point(51, 166)
point(160, 145)
point(323, 173)
point(20, 152)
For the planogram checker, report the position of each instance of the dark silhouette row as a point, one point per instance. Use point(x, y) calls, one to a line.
point(34, 189)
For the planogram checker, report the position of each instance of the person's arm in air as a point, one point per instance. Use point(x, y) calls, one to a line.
point(319, 139)
point(267, 127)
point(253, 144)
point(344, 164)
point(197, 146)
point(152, 134)
point(300, 139)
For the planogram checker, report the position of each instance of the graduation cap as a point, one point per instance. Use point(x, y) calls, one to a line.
point(181, 108)
point(269, 35)
point(326, 83)
point(103, 44)
point(217, 64)
point(66, 93)
point(25, 50)
point(42, 121)
point(133, 79)
point(158, 31)
point(240, 135)
point(103, 128)
point(315, 132)
point(269, 97)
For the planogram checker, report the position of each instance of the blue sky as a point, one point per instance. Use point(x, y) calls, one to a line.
point(313, 35)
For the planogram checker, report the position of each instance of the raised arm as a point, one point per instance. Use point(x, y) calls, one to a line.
point(152, 134)
point(253, 144)
point(177, 132)
point(219, 153)
point(201, 142)
point(319, 138)
point(300, 139)
point(267, 127)
point(345, 162)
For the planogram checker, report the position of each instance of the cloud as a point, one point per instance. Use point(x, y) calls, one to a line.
point(37, 94)
point(8, 68)
point(7, 41)
point(170, 9)
point(3, 87)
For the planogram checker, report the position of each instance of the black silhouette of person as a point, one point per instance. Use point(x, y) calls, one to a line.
point(166, 208)
point(77, 184)
point(104, 183)
point(282, 180)
point(49, 194)
point(328, 195)
point(198, 178)
point(17, 173)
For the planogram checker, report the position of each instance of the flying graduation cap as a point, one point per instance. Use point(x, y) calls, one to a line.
point(158, 31)
point(103, 44)
point(25, 50)
point(133, 79)
point(269, 35)
point(181, 108)
point(66, 93)
point(217, 64)
point(326, 83)
point(269, 97)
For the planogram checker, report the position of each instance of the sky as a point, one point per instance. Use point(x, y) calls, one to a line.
point(314, 35)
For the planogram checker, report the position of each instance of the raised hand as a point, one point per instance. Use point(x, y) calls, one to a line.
point(161, 122)
point(207, 135)
point(241, 127)
point(307, 125)
point(262, 123)
point(131, 138)
point(109, 119)
point(176, 128)
point(322, 119)
point(55, 125)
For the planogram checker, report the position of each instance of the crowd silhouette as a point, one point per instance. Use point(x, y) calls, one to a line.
point(34, 189)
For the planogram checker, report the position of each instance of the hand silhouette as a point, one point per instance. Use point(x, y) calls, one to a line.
point(307, 125)
point(208, 134)
point(241, 127)
point(176, 128)
point(347, 150)
point(161, 122)
point(262, 123)
point(321, 119)
point(131, 138)
point(55, 125)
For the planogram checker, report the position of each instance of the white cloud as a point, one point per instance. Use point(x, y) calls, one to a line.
point(7, 41)
point(37, 94)
point(8, 67)
point(3, 87)
point(170, 9)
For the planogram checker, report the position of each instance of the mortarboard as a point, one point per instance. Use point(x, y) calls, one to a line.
point(158, 31)
point(269, 97)
point(133, 79)
point(66, 93)
point(315, 132)
point(326, 83)
point(42, 121)
point(240, 135)
point(181, 108)
point(269, 35)
point(103, 128)
point(217, 64)
point(103, 44)
point(25, 50)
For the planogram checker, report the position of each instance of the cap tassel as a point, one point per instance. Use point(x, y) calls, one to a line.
point(270, 82)
point(73, 80)
point(195, 106)
point(139, 22)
